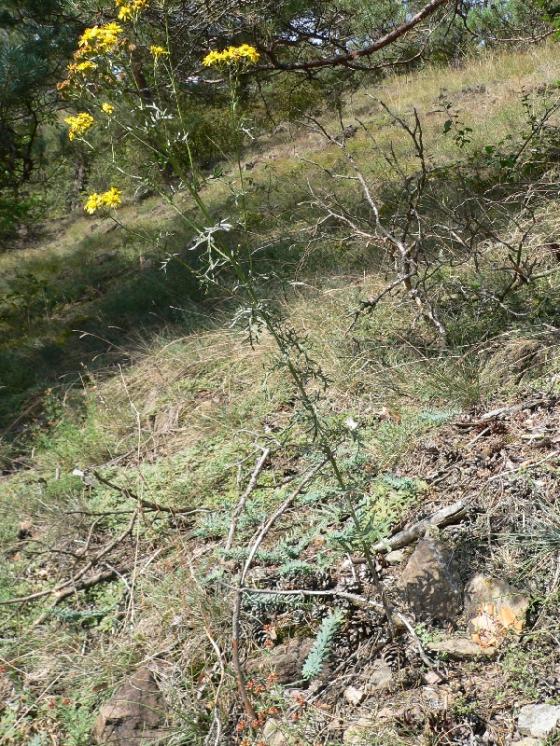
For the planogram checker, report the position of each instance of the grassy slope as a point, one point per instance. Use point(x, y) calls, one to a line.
point(171, 401)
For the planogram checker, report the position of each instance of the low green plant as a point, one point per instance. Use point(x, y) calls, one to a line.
point(323, 645)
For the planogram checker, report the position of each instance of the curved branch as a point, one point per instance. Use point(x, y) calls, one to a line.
point(345, 59)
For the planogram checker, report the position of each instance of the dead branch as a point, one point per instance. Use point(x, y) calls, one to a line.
point(146, 504)
point(101, 577)
point(79, 575)
point(247, 492)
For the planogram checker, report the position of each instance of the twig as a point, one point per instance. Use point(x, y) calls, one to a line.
point(73, 580)
point(444, 517)
point(243, 499)
point(148, 504)
point(101, 577)
point(236, 632)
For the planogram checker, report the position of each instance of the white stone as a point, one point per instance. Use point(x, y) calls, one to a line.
point(538, 720)
point(395, 557)
point(353, 696)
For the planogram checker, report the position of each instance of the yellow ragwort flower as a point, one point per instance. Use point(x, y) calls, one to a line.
point(129, 9)
point(78, 124)
point(92, 203)
point(232, 56)
point(107, 108)
point(101, 38)
point(110, 198)
point(158, 51)
point(83, 67)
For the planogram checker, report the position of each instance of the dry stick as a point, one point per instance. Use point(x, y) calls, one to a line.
point(265, 528)
point(504, 411)
point(444, 517)
point(73, 580)
point(243, 499)
point(148, 504)
point(101, 577)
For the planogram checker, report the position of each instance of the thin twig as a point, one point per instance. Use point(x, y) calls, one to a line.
point(236, 631)
point(247, 492)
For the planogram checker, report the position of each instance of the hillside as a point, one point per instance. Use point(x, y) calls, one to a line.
point(169, 508)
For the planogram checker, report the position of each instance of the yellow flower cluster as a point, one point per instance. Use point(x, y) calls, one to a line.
point(110, 198)
point(158, 51)
point(78, 124)
point(232, 56)
point(100, 39)
point(82, 67)
point(107, 108)
point(129, 8)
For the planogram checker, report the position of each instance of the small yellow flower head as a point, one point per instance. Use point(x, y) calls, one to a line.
point(158, 51)
point(78, 124)
point(101, 38)
point(245, 54)
point(110, 198)
point(92, 203)
point(83, 67)
point(107, 108)
point(129, 8)
point(125, 13)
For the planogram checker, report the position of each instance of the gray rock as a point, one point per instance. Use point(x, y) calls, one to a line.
point(529, 742)
point(134, 714)
point(538, 721)
point(381, 677)
point(285, 660)
point(430, 584)
point(461, 648)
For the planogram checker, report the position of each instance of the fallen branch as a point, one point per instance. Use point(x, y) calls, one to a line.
point(101, 577)
point(247, 492)
point(74, 580)
point(146, 504)
point(445, 517)
point(504, 411)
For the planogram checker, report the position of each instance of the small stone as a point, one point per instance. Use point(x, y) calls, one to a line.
point(430, 584)
point(134, 713)
point(381, 677)
point(286, 660)
point(395, 557)
point(359, 733)
point(461, 648)
point(273, 735)
point(538, 721)
point(529, 742)
point(353, 696)
point(432, 678)
point(493, 609)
